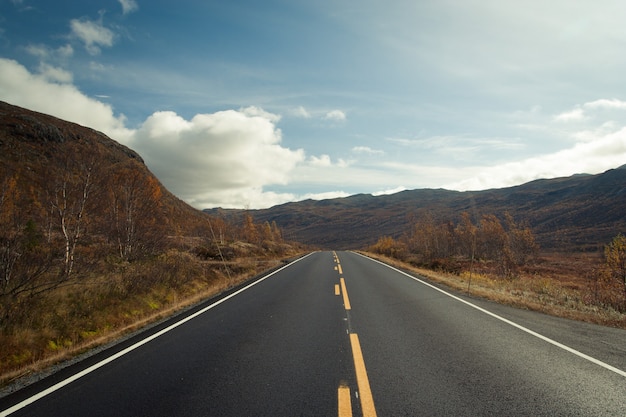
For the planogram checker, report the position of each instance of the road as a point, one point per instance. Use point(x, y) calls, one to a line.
point(338, 334)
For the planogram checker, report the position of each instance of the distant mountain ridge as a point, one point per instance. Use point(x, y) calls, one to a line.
point(581, 212)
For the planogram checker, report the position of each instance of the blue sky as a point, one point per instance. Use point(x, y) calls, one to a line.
point(252, 104)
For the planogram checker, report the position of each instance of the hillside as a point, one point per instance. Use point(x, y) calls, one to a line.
point(574, 213)
point(39, 150)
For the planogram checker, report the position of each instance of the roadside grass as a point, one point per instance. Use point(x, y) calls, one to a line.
point(550, 288)
point(102, 308)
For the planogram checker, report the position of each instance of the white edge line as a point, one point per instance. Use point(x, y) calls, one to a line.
point(142, 342)
point(533, 333)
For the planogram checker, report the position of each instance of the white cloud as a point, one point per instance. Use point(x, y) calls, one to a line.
point(97, 67)
point(367, 150)
point(92, 34)
point(39, 51)
point(606, 104)
point(45, 53)
point(337, 115)
point(254, 111)
point(582, 113)
point(301, 112)
point(224, 158)
point(324, 196)
point(55, 74)
point(65, 51)
point(129, 6)
point(321, 161)
point(389, 191)
point(324, 161)
point(569, 116)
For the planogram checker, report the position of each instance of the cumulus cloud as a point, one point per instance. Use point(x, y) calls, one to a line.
point(223, 158)
point(93, 34)
point(129, 6)
point(337, 115)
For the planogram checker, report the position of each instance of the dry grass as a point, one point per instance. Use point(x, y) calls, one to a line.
point(559, 285)
point(73, 320)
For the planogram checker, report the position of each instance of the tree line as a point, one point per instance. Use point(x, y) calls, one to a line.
point(441, 243)
point(503, 246)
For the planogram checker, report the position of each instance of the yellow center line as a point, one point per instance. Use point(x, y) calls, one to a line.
point(337, 292)
point(346, 300)
point(344, 401)
point(365, 392)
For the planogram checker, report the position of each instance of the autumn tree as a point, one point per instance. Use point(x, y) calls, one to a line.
point(277, 234)
point(466, 234)
point(250, 230)
point(387, 245)
point(615, 261)
point(134, 200)
point(429, 239)
point(521, 241)
point(267, 232)
point(509, 245)
point(24, 258)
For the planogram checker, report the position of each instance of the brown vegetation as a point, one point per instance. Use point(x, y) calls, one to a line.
point(442, 244)
point(502, 262)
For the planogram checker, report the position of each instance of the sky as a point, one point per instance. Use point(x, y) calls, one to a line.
point(249, 104)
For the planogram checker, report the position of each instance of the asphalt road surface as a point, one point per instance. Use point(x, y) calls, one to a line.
point(338, 334)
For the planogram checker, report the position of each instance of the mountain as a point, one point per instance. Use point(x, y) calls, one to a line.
point(579, 212)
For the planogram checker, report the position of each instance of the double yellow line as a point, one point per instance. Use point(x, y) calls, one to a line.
point(365, 392)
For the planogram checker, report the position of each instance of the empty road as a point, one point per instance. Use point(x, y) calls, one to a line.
point(338, 334)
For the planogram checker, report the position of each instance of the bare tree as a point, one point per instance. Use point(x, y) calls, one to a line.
point(134, 198)
point(68, 200)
